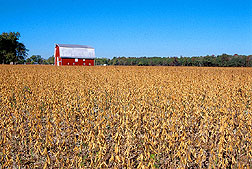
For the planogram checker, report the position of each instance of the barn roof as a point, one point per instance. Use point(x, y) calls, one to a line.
point(74, 46)
point(76, 51)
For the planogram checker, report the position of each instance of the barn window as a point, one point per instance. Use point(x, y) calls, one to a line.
point(83, 63)
point(73, 63)
point(89, 64)
point(68, 63)
point(83, 60)
point(76, 60)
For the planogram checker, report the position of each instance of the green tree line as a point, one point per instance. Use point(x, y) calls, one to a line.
point(37, 59)
point(223, 60)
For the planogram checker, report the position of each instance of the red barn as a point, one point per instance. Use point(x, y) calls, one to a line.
point(74, 55)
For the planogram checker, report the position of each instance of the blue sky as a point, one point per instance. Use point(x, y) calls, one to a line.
point(132, 28)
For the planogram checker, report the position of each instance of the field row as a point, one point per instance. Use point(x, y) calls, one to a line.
point(135, 117)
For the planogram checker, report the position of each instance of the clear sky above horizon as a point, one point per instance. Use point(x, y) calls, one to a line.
point(132, 28)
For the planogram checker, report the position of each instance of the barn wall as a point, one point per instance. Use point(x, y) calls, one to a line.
point(88, 62)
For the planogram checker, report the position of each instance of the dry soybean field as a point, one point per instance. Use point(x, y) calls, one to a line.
point(125, 117)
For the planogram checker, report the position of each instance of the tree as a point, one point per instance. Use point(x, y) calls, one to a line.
point(209, 61)
point(36, 59)
point(21, 52)
point(223, 59)
point(28, 60)
point(50, 60)
point(11, 50)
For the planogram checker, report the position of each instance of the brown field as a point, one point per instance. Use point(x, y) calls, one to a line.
point(118, 117)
